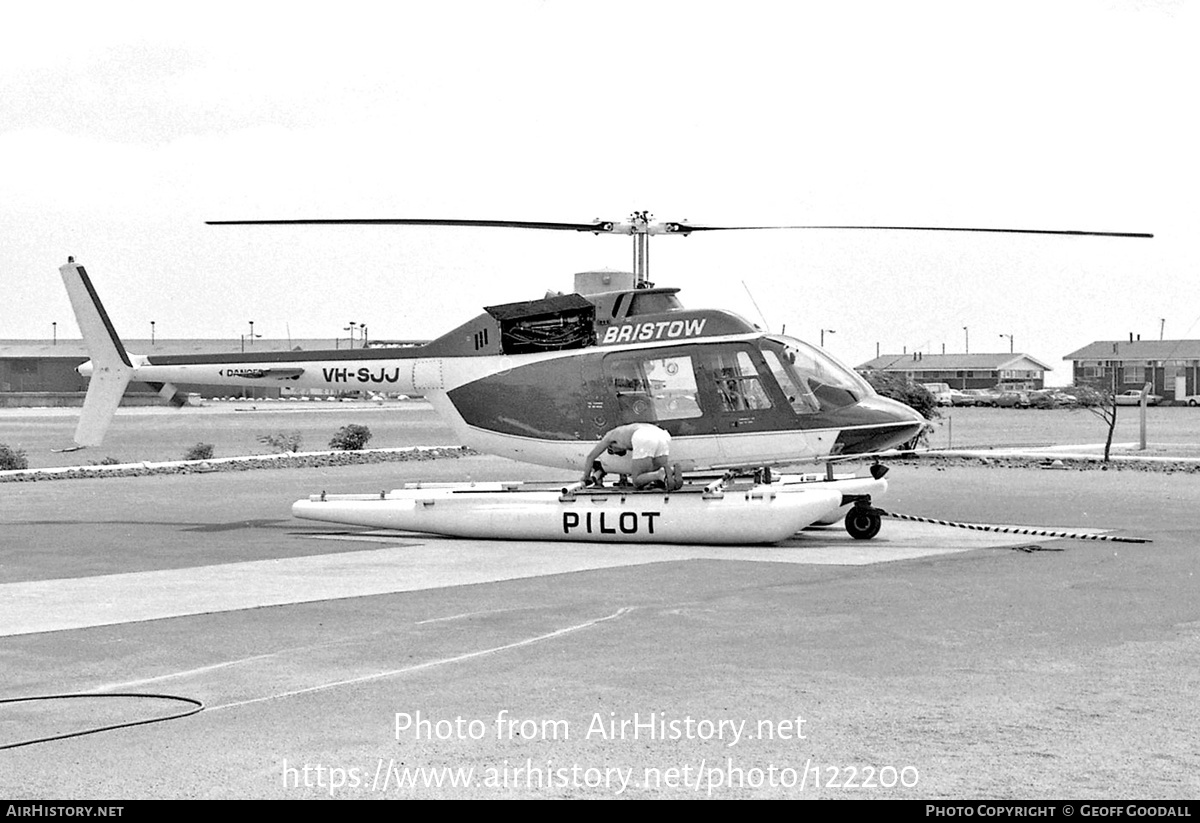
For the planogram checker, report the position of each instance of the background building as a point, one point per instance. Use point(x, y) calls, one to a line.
point(1171, 367)
point(964, 371)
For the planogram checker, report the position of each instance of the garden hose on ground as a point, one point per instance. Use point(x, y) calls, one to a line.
point(196, 706)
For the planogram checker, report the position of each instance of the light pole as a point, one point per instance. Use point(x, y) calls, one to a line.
point(1010, 342)
point(252, 334)
point(54, 332)
point(363, 328)
point(823, 331)
point(350, 329)
point(151, 332)
point(967, 338)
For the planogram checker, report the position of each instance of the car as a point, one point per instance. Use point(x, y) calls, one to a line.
point(961, 398)
point(1013, 400)
point(983, 397)
point(1052, 399)
point(941, 393)
point(1191, 399)
point(1133, 397)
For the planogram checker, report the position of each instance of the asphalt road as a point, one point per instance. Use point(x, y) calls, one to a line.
point(555, 671)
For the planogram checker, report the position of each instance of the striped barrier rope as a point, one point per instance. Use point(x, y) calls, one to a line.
point(985, 527)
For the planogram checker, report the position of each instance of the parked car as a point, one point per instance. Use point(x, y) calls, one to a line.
point(940, 391)
point(1013, 400)
point(1192, 399)
point(961, 398)
point(983, 397)
point(1052, 399)
point(1134, 396)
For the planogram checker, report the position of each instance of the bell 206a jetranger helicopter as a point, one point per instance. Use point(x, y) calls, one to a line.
point(542, 380)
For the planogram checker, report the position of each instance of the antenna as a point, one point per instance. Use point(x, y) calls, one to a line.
point(766, 325)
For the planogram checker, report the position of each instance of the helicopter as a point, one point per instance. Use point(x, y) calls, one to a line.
point(541, 380)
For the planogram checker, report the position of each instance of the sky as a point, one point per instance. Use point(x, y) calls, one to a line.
point(125, 126)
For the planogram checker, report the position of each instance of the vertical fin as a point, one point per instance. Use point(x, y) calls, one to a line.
point(111, 367)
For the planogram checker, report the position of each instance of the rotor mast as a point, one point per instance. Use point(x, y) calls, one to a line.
point(641, 225)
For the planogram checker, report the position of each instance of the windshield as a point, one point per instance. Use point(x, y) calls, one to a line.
point(812, 380)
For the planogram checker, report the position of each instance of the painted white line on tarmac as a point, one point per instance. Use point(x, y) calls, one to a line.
point(431, 664)
point(419, 563)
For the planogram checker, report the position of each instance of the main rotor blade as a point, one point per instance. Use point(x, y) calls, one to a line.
point(596, 226)
point(686, 228)
point(610, 227)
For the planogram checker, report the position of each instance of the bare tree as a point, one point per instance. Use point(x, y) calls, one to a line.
point(1103, 404)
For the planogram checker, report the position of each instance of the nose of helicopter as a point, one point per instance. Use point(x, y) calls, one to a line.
point(84, 369)
point(879, 423)
point(901, 412)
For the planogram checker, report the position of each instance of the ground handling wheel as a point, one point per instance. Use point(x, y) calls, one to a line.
point(863, 522)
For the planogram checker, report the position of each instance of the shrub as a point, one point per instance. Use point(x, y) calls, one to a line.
point(351, 438)
point(11, 459)
point(910, 394)
point(107, 461)
point(200, 451)
point(282, 441)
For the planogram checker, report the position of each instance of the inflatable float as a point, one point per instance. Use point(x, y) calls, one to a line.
point(722, 512)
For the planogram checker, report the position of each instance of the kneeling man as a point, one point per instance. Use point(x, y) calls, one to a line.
point(640, 451)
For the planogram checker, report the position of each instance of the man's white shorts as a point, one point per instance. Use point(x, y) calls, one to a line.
point(650, 441)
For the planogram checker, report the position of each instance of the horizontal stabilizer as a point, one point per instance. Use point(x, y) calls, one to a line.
point(170, 393)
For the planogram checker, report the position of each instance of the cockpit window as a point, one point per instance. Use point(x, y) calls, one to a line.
point(737, 382)
point(811, 379)
point(797, 391)
point(653, 387)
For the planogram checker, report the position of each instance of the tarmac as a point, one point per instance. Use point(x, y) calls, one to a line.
point(929, 662)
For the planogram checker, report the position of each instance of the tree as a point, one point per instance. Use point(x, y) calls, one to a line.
point(1103, 404)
